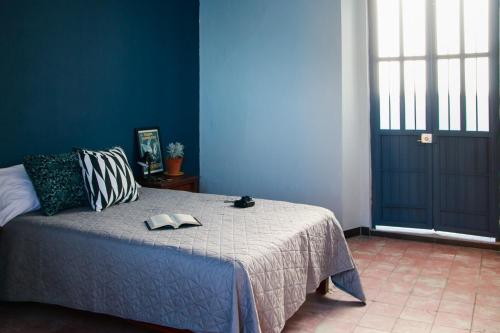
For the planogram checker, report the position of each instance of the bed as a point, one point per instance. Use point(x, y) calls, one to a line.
point(244, 270)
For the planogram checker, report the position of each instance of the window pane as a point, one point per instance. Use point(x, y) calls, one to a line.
point(476, 25)
point(447, 26)
point(415, 87)
point(483, 94)
point(413, 27)
point(470, 95)
point(449, 94)
point(389, 94)
point(477, 94)
point(388, 28)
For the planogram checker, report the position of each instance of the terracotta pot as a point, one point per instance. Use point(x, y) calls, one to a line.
point(174, 165)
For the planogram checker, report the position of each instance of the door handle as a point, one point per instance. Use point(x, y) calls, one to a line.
point(425, 138)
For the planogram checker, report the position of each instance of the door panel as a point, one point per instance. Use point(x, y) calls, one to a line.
point(463, 185)
point(405, 187)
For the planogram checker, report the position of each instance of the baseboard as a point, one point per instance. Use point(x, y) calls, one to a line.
point(352, 232)
point(359, 231)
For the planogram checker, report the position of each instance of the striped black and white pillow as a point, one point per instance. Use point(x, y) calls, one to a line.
point(107, 177)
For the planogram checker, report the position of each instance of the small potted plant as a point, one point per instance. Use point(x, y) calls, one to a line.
point(175, 155)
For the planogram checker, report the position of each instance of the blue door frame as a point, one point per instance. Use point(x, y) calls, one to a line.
point(449, 185)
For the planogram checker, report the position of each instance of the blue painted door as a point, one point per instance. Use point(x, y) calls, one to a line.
point(434, 114)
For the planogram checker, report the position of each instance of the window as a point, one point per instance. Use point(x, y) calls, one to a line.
point(432, 55)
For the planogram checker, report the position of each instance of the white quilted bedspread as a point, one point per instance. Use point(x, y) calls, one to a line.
point(244, 270)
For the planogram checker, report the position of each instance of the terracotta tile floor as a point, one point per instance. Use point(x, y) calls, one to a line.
point(411, 287)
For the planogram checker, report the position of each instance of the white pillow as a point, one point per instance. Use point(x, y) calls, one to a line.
point(17, 195)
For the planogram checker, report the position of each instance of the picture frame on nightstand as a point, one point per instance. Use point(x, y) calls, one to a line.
point(149, 141)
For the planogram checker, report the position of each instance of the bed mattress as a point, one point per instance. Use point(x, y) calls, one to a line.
point(244, 270)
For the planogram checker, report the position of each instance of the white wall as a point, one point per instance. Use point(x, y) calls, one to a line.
point(356, 170)
point(272, 108)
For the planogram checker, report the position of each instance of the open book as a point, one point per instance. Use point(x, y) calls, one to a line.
point(173, 220)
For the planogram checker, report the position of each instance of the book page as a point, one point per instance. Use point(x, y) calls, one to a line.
point(159, 221)
point(185, 219)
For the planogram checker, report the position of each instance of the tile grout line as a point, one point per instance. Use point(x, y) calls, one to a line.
point(476, 292)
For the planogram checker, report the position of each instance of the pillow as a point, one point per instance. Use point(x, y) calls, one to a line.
point(108, 178)
point(57, 180)
point(17, 195)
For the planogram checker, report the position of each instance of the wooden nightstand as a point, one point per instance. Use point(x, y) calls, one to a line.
point(179, 183)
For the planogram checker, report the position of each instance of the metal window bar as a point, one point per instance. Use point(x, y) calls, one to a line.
point(402, 106)
point(463, 126)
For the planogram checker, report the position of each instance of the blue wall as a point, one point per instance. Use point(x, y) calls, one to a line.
point(270, 99)
point(87, 72)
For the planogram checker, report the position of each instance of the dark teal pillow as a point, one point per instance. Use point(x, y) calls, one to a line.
point(57, 180)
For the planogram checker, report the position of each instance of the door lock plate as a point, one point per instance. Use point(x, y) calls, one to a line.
point(425, 138)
